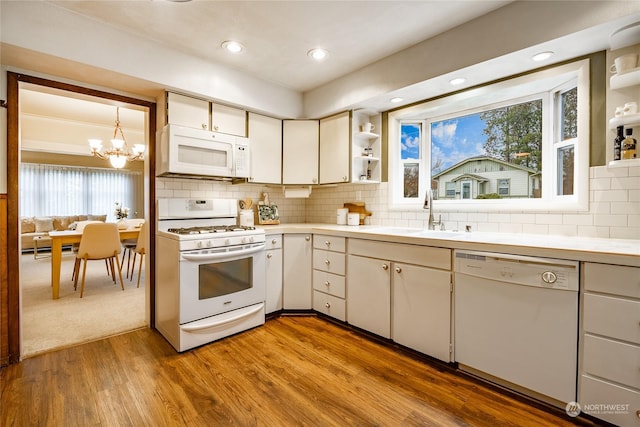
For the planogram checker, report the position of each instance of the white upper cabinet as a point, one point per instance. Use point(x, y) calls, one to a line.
point(229, 120)
point(335, 142)
point(187, 111)
point(265, 134)
point(300, 139)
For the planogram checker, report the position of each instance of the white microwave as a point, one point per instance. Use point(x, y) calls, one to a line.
point(188, 151)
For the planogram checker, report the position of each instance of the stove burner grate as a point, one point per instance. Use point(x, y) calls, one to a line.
point(210, 229)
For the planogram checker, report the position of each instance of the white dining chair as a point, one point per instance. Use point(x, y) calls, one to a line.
point(99, 241)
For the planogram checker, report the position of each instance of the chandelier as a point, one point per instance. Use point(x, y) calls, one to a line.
point(119, 152)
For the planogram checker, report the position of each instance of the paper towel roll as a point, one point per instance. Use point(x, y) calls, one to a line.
point(341, 216)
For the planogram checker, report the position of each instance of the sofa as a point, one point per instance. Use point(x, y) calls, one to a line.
point(31, 227)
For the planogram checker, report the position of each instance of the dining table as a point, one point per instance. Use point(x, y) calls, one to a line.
point(67, 237)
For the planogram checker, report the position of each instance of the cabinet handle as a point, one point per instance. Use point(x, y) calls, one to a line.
point(344, 178)
point(326, 261)
point(638, 413)
point(314, 180)
point(204, 126)
point(216, 127)
point(274, 241)
point(398, 270)
point(385, 267)
point(326, 304)
point(269, 255)
point(307, 238)
point(327, 283)
point(328, 243)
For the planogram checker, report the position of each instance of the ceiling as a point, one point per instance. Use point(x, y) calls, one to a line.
point(278, 34)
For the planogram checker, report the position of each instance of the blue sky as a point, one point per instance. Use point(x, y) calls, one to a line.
point(451, 140)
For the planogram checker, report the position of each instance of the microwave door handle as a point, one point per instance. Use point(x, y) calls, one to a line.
point(222, 255)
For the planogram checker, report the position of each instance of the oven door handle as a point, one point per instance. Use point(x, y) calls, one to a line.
point(242, 314)
point(222, 255)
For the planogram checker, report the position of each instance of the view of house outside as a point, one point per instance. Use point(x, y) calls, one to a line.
point(495, 153)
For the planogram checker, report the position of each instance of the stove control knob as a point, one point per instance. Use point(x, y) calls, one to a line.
point(198, 244)
point(244, 240)
point(251, 239)
point(227, 242)
point(208, 243)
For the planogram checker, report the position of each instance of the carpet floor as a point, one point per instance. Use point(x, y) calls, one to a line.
point(104, 310)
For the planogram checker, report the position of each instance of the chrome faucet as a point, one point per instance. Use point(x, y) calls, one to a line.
point(428, 204)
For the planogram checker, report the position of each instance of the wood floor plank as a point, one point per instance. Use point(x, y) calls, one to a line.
point(293, 371)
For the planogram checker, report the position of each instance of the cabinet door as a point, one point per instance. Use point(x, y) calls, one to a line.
point(229, 120)
point(300, 151)
point(335, 142)
point(296, 274)
point(186, 111)
point(422, 309)
point(369, 294)
point(274, 280)
point(265, 134)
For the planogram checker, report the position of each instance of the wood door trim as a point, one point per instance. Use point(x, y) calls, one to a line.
point(9, 293)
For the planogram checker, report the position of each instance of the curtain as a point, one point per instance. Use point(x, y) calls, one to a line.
point(49, 190)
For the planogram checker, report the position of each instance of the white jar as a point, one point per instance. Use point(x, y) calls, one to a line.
point(353, 219)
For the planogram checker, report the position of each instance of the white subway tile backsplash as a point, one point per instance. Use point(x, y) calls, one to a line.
point(614, 206)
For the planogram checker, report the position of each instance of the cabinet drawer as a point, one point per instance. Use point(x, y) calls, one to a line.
point(330, 243)
point(612, 317)
point(329, 283)
point(273, 241)
point(332, 262)
point(612, 360)
point(329, 305)
point(410, 254)
point(596, 394)
point(612, 279)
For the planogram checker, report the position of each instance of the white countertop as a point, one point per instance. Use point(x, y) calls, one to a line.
point(611, 251)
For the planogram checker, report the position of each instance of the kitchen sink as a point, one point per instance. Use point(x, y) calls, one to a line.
point(440, 233)
point(395, 230)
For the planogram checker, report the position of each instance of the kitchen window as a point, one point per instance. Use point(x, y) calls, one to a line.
point(513, 145)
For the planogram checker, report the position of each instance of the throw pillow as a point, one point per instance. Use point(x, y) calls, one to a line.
point(27, 225)
point(61, 223)
point(44, 224)
point(102, 218)
point(82, 217)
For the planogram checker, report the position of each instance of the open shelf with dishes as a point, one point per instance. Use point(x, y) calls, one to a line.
point(627, 86)
point(366, 167)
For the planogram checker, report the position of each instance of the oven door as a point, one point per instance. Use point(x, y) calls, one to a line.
point(215, 281)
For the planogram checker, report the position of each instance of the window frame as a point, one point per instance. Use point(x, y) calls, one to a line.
point(506, 92)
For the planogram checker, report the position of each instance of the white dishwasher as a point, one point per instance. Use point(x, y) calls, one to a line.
point(516, 322)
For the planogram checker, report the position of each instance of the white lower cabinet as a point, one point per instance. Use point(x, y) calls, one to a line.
point(274, 273)
point(296, 271)
point(422, 309)
point(609, 382)
point(402, 292)
point(329, 288)
point(369, 294)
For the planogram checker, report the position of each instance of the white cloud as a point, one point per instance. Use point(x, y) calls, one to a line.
point(444, 132)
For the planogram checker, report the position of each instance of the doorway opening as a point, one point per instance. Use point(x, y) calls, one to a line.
point(54, 120)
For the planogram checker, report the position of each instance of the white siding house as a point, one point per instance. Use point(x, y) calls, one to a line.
point(484, 175)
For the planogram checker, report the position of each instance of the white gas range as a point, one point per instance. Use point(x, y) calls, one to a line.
point(210, 272)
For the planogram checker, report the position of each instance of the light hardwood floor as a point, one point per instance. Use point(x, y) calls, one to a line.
point(299, 370)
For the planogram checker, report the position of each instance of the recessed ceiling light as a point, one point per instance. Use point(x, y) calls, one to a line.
point(396, 100)
point(457, 81)
point(542, 56)
point(318, 54)
point(233, 47)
